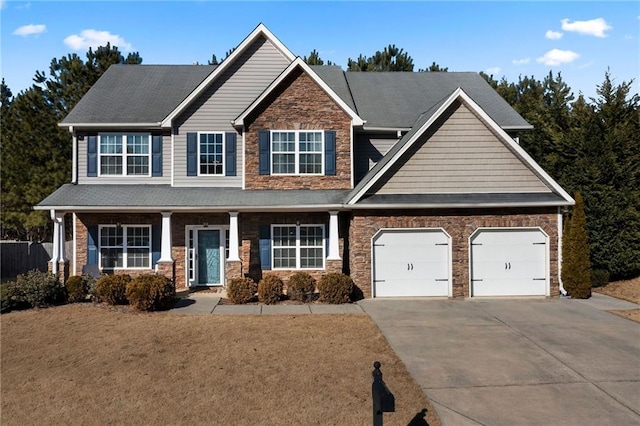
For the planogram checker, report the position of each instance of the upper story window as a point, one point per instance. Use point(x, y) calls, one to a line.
point(299, 152)
point(124, 154)
point(211, 154)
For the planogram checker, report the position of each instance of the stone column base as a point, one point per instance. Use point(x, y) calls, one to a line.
point(333, 266)
point(166, 269)
point(232, 269)
point(63, 270)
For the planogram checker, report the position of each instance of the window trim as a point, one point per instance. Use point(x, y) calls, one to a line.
point(298, 247)
point(297, 152)
point(124, 154)
point(124, 247)
point(224, 153)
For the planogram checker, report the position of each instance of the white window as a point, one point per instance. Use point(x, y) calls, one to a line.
point(126, 247)
point(211, 154)
point(125, 154)
point(298, 152)
point(298, 246)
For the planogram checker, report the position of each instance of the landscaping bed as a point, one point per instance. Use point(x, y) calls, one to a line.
point(93, 364)
point(626, 290)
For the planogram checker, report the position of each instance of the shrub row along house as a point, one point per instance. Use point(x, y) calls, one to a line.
point(412, 183)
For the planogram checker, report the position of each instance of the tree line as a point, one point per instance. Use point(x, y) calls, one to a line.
point(591, 146)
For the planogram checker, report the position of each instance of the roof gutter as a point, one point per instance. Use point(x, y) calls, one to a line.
point(111, 125)
point(194, 209)
point(452, 205)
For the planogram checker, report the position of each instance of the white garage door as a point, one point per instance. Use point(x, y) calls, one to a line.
point(511, 262)
point(411, 263)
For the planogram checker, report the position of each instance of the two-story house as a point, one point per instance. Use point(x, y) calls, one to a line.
point(412, 183)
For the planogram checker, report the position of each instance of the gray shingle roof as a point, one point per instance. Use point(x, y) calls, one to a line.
point(165, 196)
point(158, 197)
point(137, 93)
point(335, 78)
point(397, 99)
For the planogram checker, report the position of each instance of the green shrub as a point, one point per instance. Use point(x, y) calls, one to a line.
point(599, 277)
point(113, 288)
point(39, 289)
point(151, 292)
point(301, 287)
point(241, 290)
point(576, 266)
point(76, 289)
point(11, 298)
point(92, 290)
point(335, 288)
point(270, 289)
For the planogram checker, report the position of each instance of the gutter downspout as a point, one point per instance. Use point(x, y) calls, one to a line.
point(561, 285)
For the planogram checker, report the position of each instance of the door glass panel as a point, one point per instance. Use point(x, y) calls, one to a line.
point(208, 257)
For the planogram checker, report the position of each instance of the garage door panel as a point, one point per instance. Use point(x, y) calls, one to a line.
point(411, 263)
point(509, 263)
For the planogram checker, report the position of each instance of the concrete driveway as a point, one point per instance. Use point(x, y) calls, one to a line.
point(518, 361)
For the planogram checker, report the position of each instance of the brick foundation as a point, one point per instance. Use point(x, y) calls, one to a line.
point(63, 270)
point(459, 225)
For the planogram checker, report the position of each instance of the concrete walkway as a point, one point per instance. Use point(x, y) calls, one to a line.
point(518, 361)
point(207, 303)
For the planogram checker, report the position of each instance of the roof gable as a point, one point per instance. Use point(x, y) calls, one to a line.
point(427, 122)
point(299, 63)
point(259, 31)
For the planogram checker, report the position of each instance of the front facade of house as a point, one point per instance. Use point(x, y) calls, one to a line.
point(411, 183)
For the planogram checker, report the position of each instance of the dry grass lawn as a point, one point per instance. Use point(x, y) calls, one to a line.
point(86, 364)
point(626, 290)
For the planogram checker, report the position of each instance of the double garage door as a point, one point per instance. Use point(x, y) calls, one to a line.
point(503, 262)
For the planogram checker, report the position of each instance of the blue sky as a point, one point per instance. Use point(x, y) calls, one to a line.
point(507, 38)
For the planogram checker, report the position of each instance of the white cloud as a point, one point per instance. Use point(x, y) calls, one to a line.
point(595, 27)
point(27, 30)
point(521, 61)
point(558, 57)
point(587, 65)
point(95, 38)
point(3, 4)
point(553, 35)
point(492, 70)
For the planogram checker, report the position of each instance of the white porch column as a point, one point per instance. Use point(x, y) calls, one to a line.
point(58, 252)
point(165, 247)
point(334, 242)
point(234, 240)
point(55, 255)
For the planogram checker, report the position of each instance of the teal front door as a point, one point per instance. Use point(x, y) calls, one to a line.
point(208, 257)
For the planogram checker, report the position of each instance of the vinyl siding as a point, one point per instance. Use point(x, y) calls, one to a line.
point(369, 149)
point(462, 155)
point(222, 102)
point(134, 180)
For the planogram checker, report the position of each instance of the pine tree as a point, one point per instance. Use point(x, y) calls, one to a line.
point(391, 58)
point(576, 266)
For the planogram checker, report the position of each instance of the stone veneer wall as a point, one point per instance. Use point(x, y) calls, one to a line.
point(90, 219)
point(299, 104)
point(459, 224)
point(250, 248)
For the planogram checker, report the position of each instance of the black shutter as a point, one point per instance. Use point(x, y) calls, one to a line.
point(156, 244)
point(92, 245)
point(264, 147)
point(192, 154)
point(265, 247)
point(230, 154)
point(330, 152)
point(156, 155)
point(92, 156)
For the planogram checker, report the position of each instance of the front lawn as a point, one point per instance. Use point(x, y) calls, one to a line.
point(626, 290)
point(87, 364)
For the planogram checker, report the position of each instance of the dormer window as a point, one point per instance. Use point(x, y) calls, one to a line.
point(124, 154)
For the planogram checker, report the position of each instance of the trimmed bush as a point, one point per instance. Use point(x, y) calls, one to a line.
point(76, 289)
point(113, 288)
point(241, 290)
point(11, 298)
point(92, 290)
point(270, 289)
point(599, 278)
point(151, 292)
point(301, 287)
point(335, 288)
point(576, 266)
point(39, 289)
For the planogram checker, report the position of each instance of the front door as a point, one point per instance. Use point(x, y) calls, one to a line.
point(205, 254)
